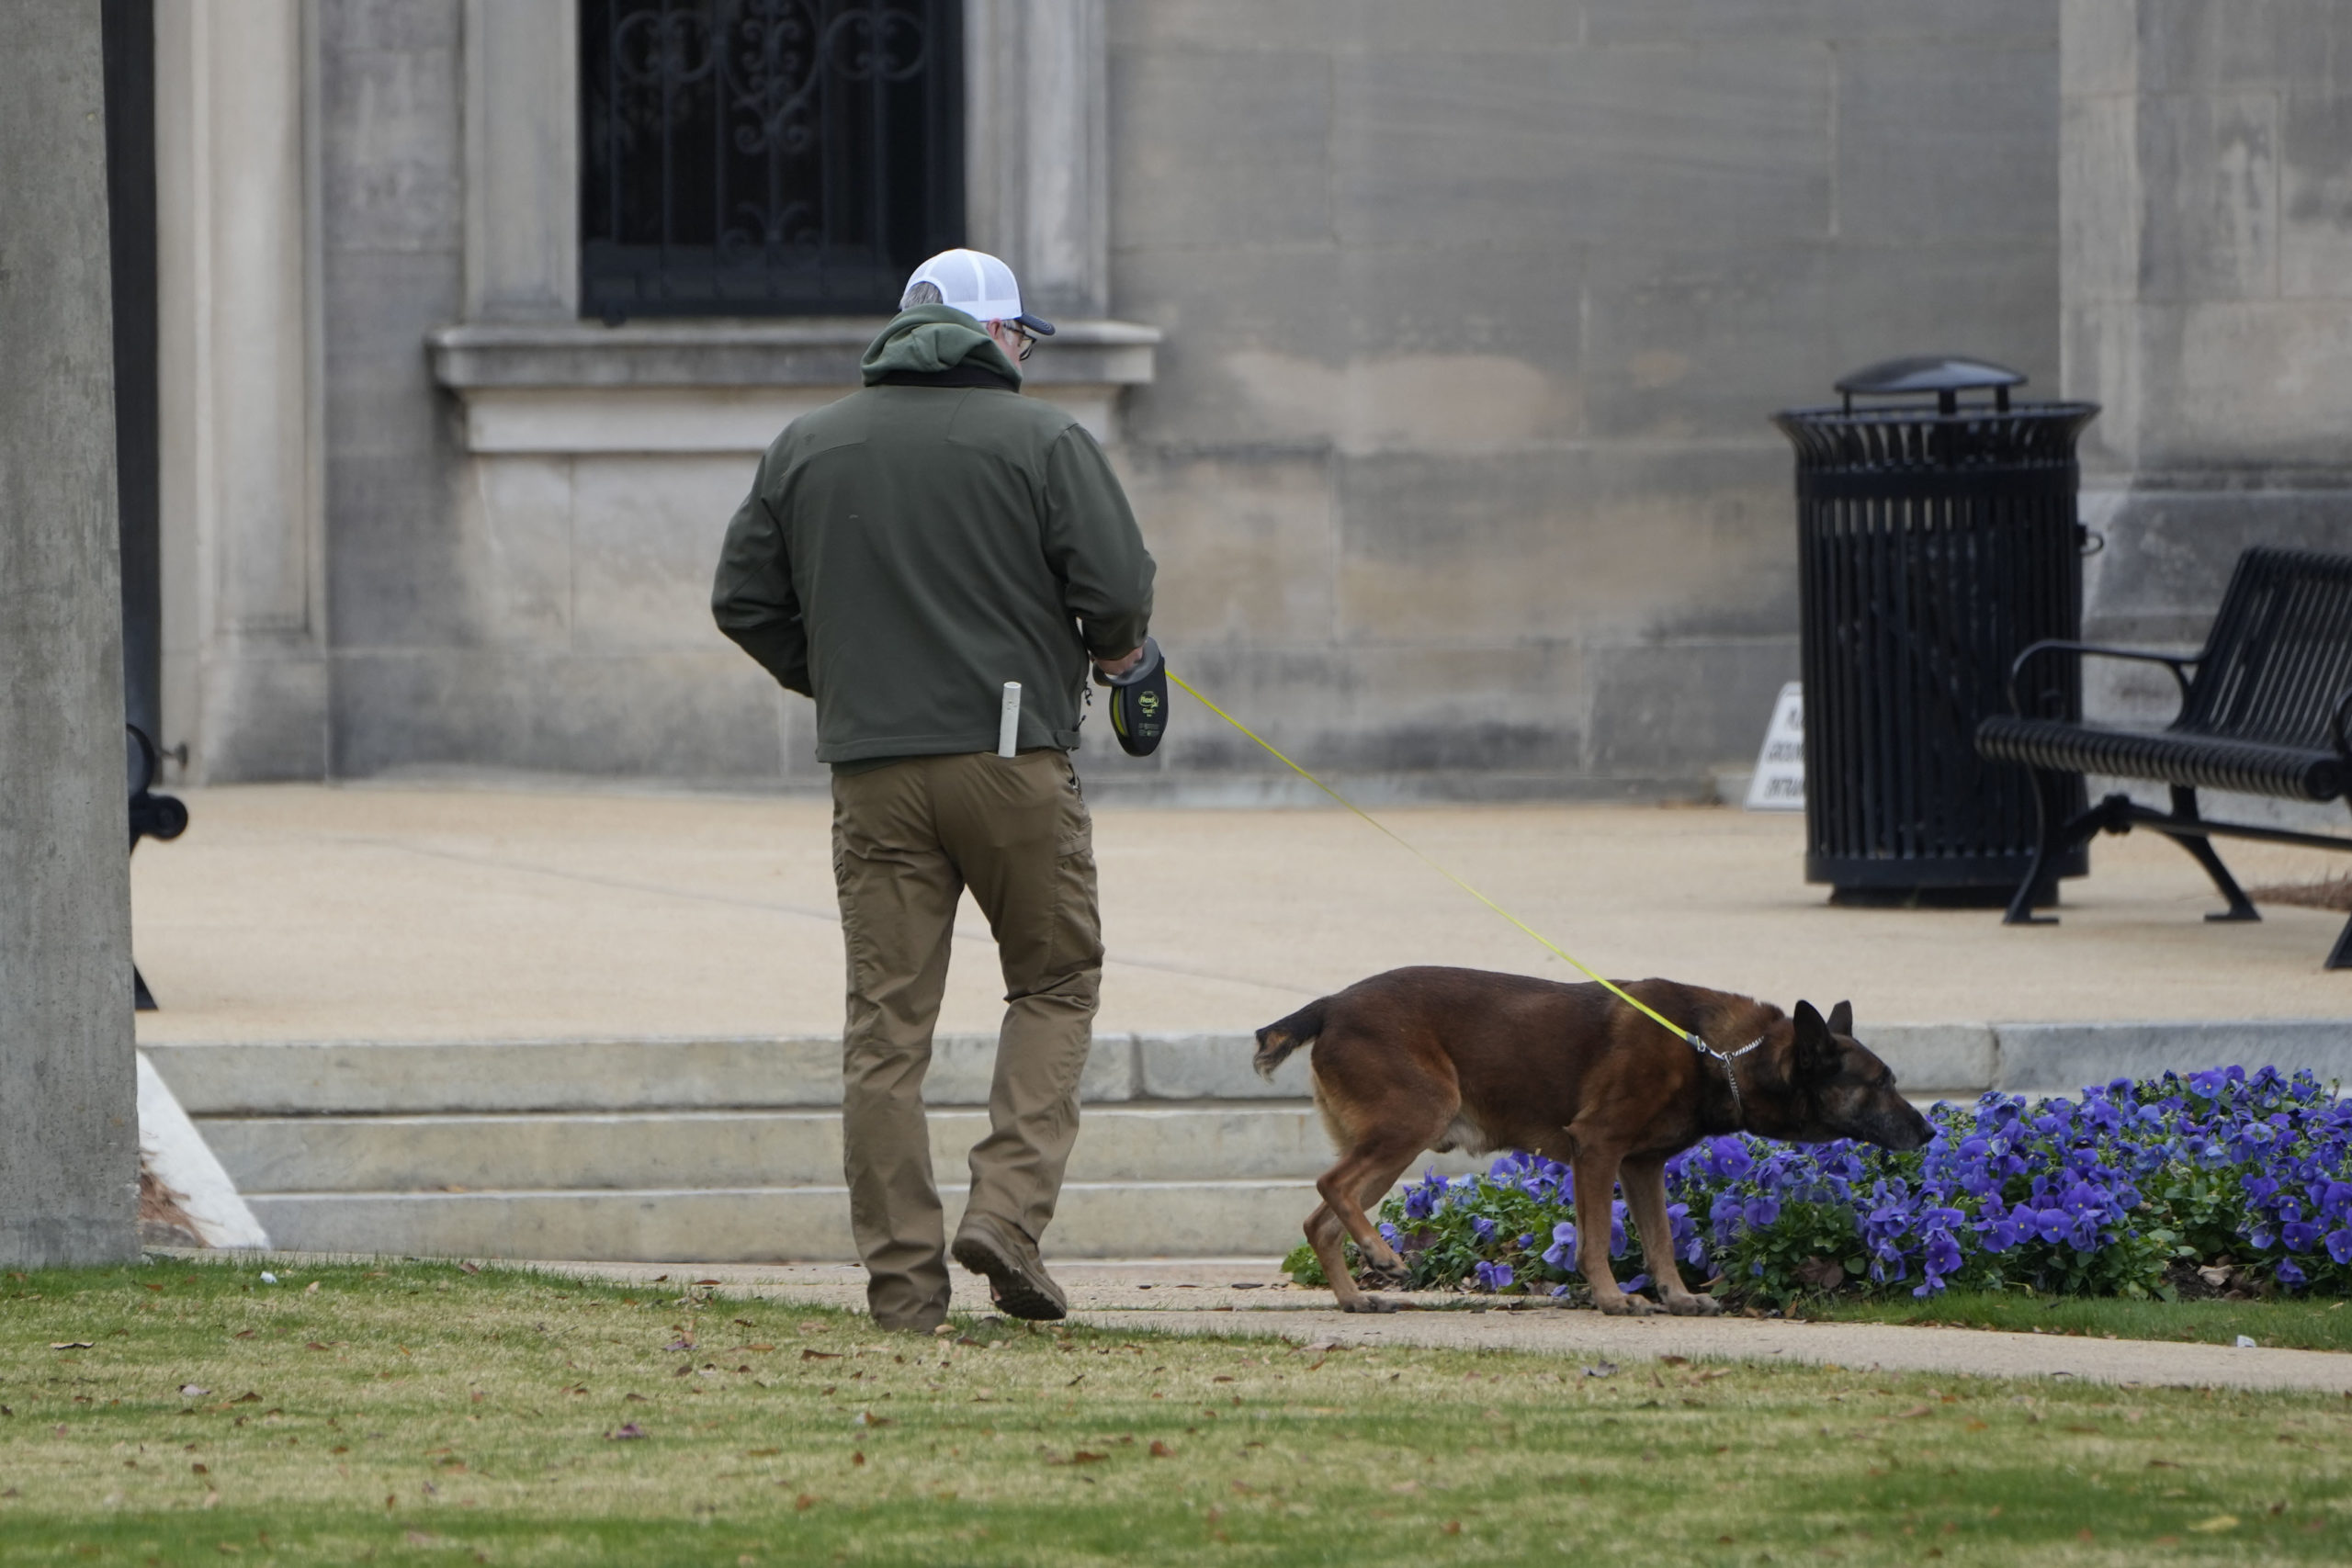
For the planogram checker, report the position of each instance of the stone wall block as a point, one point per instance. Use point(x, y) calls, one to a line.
point(1941, 144)
point(1998, 300)
point(678, 715)
point(395, 572)
point(2316, 197)
point(1244, 547)
point(1705, 22)
point(516, 514)
point(409, 26)
point(2099, 47)
point(2098, 183)
point(2210, 165)
point(2244, 384)
point(2203, 46)
point(1704, 341)
point(646, 536)
point(1263, 121)
point(1681, 708)
point(394, 145)
point(267, 714)
point(1561, 146)
point(1221, 309)
point(1569, 543)
point(380, 398)
point(2169, 554)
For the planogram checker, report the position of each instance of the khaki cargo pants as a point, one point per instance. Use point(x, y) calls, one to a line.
point(908, 839)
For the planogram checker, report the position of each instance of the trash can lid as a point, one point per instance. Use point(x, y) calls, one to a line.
point(1927, 373)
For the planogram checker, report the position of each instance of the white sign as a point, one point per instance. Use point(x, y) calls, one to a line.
point(1779, 784)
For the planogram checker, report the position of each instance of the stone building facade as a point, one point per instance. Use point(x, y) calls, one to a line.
point(1434, 342)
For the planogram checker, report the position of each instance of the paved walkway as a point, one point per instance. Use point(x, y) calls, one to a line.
point(1246, 1297)
point(409, 913)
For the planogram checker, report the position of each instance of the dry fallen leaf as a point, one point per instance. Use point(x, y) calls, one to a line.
point(476, 1268)
point(1161, 1451)
point(803, 1502)
point(311, 1289)
point(625, 1432)
point(809, 1355)
point(2218, 1523)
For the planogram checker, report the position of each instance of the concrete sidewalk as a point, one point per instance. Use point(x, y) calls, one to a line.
point(1239, 1296)
point(302, 913)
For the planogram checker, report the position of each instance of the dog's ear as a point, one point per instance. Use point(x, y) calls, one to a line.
point(1816, 1048)
point(1841, 1020)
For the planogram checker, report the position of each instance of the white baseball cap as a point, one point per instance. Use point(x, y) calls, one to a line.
point(978, 284)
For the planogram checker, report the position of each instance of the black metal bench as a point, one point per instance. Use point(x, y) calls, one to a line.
point(2262, 711)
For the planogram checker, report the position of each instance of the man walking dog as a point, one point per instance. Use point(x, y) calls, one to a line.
point(903, 554)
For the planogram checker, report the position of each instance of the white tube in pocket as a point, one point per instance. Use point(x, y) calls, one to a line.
point(1008, 724)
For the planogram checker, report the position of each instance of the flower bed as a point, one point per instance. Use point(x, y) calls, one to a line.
point(2100, 1196)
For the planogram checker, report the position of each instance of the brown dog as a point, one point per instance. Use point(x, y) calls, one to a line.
point(1442, 1059)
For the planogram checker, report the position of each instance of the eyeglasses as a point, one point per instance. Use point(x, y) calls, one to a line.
point(1028, 342)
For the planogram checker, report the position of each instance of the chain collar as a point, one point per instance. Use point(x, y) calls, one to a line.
point(1731, 1075)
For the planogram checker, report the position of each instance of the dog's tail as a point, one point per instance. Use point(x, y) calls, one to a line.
point(1277, 1040)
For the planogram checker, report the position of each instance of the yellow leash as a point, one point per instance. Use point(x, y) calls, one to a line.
point(1447, 872)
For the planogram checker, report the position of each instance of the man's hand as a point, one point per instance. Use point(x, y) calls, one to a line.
point(1113, 668)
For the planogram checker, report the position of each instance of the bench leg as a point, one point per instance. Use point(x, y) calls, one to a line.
point(2340, 957)
point(2050, 799)
point(2201, 849)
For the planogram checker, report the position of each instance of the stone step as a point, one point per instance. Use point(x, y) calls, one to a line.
point(1171, 1141)
point(768, 1224)
point(372, 1079)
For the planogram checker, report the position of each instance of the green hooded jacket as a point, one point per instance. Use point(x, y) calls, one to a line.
point(906, 550)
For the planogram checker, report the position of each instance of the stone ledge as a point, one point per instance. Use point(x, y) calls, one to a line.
point(814, 352)
point(719, 386)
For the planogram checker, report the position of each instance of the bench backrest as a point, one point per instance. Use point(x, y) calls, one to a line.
point(2280, 656)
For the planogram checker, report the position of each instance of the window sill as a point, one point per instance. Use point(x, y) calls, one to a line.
point(719, 386)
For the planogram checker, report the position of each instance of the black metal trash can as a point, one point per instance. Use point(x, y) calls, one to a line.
point(1937, 540)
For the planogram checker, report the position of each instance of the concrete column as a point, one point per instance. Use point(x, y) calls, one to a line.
point(243, 536)
point(522, 161)
point(69, 1133)
point(2206, 192)
point(1037, 149)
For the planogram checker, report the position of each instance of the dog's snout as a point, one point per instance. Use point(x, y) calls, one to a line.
point(1914, 1130)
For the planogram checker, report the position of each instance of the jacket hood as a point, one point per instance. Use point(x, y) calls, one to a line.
point(932, 338)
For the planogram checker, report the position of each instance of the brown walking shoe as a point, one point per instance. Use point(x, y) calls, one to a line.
point(1017, 1278)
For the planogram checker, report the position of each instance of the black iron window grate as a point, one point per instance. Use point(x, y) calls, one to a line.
point(766, 157)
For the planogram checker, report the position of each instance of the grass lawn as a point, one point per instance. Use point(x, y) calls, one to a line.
point(177, 1413)
point(2282, 1324)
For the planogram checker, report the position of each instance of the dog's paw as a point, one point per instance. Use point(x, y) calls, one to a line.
point(1367, 1303)
point(1630, 1306)
point(1694, 1306)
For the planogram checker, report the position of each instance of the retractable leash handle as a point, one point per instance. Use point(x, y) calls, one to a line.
point(1139, 701)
